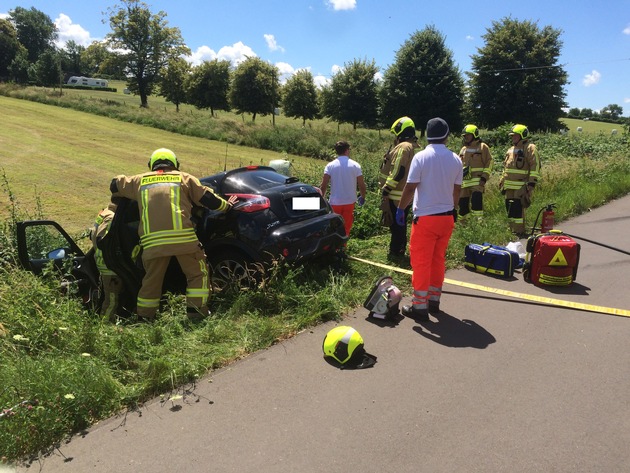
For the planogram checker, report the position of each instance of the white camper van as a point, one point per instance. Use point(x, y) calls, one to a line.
point(87, 81)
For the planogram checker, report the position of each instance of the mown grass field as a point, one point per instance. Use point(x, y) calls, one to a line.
point(68, 158)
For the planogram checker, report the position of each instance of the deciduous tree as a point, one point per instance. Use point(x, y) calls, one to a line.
point(35, 31)
point(299, 97)
point(255, 87)
point(173, 81)
point(354, 94)
point(146, 42)
point(208, 85)
point(423, 82)
point(516, 77)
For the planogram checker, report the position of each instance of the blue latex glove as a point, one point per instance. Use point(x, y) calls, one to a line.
point(400, 217)
point(361, 201)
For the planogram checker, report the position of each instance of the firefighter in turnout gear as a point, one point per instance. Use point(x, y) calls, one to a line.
point(521, 173)
point(112, 285)
point(477, 166)
point(165, 198)
point(396, 167)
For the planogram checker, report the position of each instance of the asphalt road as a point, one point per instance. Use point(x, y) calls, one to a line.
point(494, 384)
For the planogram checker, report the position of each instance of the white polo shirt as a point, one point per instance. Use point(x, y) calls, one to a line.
point(436, 170)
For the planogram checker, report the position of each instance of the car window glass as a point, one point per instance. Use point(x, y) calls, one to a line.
point(42, 240)
point(253, 181)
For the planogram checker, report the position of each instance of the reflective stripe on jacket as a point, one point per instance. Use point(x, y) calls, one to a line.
point(165, 200)
point(400, 159)
point(521, 166)
point(476, 156)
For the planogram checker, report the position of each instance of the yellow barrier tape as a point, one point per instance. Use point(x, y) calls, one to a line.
point(517, 295)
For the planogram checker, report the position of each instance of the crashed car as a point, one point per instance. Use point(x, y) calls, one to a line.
point(276, 217)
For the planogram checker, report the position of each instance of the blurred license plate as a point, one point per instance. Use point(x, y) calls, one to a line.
point(305, 203)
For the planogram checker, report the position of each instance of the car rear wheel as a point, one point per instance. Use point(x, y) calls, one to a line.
point(232, 269)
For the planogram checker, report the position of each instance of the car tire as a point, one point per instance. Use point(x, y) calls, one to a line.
point(232, 269)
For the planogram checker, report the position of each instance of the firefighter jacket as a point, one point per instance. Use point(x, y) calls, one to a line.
point(400, 159)
point(98, 231)
point(386, 165)
point(477, 164)
point(520, 167)
point(165, 200)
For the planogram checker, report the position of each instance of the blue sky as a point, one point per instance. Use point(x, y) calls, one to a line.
point(322, 35)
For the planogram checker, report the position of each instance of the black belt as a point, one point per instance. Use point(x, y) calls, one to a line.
point(441, 214)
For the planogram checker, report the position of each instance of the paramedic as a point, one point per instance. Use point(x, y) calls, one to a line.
point(434, 184)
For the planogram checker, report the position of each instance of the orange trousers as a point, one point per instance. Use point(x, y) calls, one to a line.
point(347, 212)
point(427, 253)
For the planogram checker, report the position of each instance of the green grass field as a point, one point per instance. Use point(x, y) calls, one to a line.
point(69, 158)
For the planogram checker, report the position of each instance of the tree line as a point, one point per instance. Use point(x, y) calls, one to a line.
point(515, 77)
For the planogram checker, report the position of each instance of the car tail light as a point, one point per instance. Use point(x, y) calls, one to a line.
point(251, 202)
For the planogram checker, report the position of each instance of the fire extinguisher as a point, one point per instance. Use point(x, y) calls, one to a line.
point(547, 222)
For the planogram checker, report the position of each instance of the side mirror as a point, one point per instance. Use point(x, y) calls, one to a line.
point(59, 253)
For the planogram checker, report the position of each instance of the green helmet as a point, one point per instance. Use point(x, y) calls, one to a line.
point(342, 342)
point(520, 130)
point(163, 157)
point(472, 129)
point(403, 128)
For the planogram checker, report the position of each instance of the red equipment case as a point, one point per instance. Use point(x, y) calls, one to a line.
point(552, 259)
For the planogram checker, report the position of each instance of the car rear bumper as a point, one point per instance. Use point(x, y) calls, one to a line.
point(309, 238)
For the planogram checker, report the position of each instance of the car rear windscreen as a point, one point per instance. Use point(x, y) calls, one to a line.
point(254, 181)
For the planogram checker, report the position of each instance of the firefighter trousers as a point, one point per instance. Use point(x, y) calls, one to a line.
point(427, 249)
point(112, 288)
point(195, 269)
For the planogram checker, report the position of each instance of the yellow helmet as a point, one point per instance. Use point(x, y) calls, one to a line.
point(163, 157)
point(520, 130)
point(472, 129)
point(403, 128)
point(342, 342)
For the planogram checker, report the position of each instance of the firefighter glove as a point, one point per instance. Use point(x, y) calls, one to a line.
point(400, 217)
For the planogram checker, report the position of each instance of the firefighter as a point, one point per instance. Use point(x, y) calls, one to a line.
point(396, 166)
point(521, 172)
point(112, 284)
point(477, 165)
point(165, 198)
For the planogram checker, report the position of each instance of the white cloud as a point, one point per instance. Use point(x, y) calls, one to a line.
point(591, 79)
point(286, 71)
point(203, 53)
point(321, 81)
point(626, 30)
point(626, 100)
point(342, 4)
point(4, 16)
point(336, 69)
point(71, 31)
point(236, 53)
point(469, 38)
point(272, 44)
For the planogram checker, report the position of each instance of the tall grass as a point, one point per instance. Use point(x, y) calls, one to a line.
point(63, 367)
